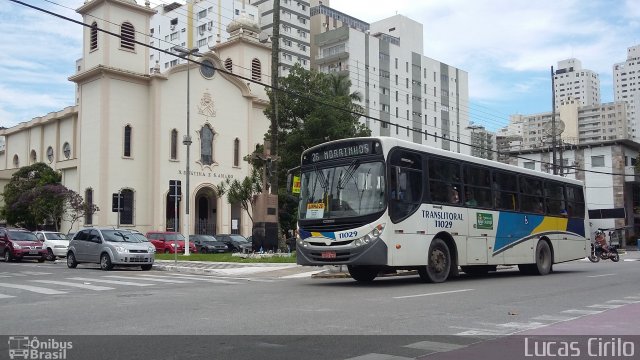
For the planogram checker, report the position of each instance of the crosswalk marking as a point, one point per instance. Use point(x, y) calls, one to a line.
point(435, 346)
point(36, 289)
point(582, 312)
point(3, 296)
point(115, 282)
point(66, 283)
point(149, 279)
point(605, 306)
point(194, 278)
point(553, 318)
point(376, 356)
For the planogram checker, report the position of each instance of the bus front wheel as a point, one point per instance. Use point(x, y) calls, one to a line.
point(438, 263)
point(363, 273)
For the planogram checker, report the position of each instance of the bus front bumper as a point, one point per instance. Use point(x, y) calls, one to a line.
point(372, 254)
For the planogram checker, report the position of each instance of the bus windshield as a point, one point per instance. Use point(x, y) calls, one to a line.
point(346, 190)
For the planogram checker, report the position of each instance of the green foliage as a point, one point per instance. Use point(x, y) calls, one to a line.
point(228, 257)
point(243, 192)
point(313, 108)
point(35, 196)
point(20, 193)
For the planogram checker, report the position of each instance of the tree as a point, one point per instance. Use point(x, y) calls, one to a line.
point(22, 190)
point(243, 192)
point(312, 108)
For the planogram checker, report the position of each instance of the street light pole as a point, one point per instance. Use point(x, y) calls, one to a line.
point(186, 54)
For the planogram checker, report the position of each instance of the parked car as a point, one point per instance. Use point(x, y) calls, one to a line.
point(166, 241)
point(235, 242)
point(21, 244)
point(56, 243)
point(109, 247)
point(208, 244)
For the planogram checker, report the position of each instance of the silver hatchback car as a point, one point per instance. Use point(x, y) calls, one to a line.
point(109, 247)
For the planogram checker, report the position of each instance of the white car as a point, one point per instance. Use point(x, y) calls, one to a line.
point(55, 242)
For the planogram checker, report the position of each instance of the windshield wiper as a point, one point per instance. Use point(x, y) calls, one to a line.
point(343, 180)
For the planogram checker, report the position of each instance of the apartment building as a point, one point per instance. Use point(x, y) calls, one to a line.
point(405, 94)
point(295, 35)
point(197, 23)
point(574, 82)
point(483, 142)
point(626, 82)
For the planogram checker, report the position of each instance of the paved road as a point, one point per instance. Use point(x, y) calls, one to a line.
point(286, 313)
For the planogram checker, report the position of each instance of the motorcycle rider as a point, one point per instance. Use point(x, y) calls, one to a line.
point(601, 240)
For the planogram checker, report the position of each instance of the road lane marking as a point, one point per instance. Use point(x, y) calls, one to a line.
point(66, 283)
point(35, 273)
point(194, 278)
point(595, 276)
point(3, 296)
point(35, 289)
point(114, 282)
point(149, 279)
point(429, 294)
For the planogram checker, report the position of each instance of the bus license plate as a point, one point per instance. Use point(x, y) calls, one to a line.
point(328, 254)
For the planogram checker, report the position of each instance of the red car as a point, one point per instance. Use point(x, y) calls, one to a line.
point(21, 244)
point(166, 241)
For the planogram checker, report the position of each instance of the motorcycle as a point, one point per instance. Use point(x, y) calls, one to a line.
point(598, 250)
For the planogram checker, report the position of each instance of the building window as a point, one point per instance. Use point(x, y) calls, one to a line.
point(34, 157)
point(88, 214)
point(127, 141)
point(93, 44)
point(530, 165)
point(236, 152)
point(127, 36)
point(126, 214)
point(16, 161)
point(50, 154)
point(174, 144)
point(256, 70)
point(597, 161)
point(228, 64)
point(66, 150)
point(206, 145)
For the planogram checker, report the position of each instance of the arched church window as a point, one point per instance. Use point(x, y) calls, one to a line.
point(93, 42)
point(256, 70)
point(206, 145)
point(236, 152)
point(127, 36)
point(127, 141)
point(174, 144)
point(228, 64)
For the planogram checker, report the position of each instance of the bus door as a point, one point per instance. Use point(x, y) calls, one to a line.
point(480, 231)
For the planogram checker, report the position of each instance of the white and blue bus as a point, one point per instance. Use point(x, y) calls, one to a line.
point(381, 204)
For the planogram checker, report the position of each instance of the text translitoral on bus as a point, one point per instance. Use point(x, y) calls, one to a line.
point(381, 204)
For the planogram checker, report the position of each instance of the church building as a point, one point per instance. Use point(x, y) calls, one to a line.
point(128, 131)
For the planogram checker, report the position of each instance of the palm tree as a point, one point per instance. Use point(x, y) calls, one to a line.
point(340, 86)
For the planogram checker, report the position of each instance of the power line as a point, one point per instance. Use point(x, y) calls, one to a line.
point(298, 95)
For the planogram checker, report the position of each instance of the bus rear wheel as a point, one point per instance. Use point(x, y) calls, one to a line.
point(363, 273)
point(438, 263)
point(544, 261)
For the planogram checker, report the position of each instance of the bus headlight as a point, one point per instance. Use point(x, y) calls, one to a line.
point(372, 236)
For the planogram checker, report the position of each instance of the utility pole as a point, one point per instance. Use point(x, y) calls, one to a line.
point(275, 66)
point(553, 121)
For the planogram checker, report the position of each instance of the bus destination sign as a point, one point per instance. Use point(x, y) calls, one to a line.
point(339, 151)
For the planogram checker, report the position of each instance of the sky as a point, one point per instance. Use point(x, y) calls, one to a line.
point(507, 47)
